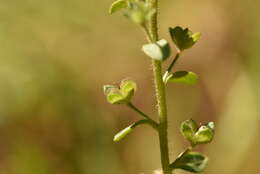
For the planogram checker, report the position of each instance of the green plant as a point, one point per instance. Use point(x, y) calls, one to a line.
point(144, 13)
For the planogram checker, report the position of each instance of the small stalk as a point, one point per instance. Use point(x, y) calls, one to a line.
point(174, 62)
point(150, 121)
point(169, 69)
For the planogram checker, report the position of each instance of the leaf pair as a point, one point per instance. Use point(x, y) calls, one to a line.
point(194, 161)
point(183, 38)
point(190, 161)
point(138, 11)
point(121, 95)
point(195, 134)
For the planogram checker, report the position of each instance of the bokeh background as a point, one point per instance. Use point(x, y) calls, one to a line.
point(55, 56)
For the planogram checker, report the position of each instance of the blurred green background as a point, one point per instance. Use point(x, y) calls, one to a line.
point(55, 56)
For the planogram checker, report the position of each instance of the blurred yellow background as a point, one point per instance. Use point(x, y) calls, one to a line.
point(55, 56)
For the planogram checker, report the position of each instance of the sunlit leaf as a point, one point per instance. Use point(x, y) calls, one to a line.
point(120, 135)
point(159, 51)
point(204, 135)
point(188, 129)
point(127, 88)
point(184, 77)
point(115, 97)
point(117, 6)
point(123, 133)
point(107, 88)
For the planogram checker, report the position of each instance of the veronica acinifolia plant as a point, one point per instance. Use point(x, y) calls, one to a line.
point(144, 13)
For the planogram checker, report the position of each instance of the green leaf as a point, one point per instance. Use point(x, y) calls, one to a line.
point(117, 5)
point(159, 50)
point(115, 97)
point(183, 38)
point(184, 77)
point(190, 161)
point(204, 135)
point(120, 135)
point(107, 88)
point(196, 37)
point(128, 88)
point(188, 129)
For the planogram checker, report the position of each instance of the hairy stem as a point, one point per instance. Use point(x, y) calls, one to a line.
point(160, 94)
point(162, 111)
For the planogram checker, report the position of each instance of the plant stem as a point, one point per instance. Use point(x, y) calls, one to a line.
point(162, 111)
point(160, 94)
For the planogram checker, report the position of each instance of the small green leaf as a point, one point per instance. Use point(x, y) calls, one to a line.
point(190, 161)
point(183, 38)
point(188, 129)
point(204, 135)
point(159, 51)
point(107, 88)
point(115, 97)
point(128, 88)
point(184, 77)
point(120, 135)
point(196, 37)
point(117, 5)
